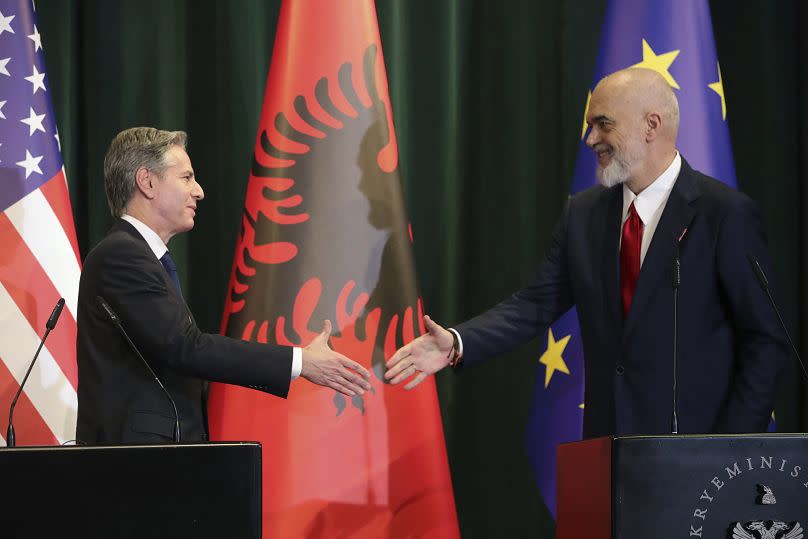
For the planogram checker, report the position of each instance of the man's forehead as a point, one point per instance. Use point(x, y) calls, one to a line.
point(610, 102)
point(177, 157)
point(598, 109)
point(604, 95)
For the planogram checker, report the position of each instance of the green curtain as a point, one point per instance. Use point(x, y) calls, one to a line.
point(488, 101)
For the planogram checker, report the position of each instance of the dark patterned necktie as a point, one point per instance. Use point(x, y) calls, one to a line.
point(171, 268)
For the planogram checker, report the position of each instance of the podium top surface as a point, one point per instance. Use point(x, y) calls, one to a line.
point(148, 447)
point(762, 435)
point(750, 437)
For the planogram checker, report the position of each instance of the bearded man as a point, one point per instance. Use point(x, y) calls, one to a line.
point(611, 257)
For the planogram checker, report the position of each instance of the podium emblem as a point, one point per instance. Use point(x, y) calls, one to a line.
point(772, 529)
point(766, 495)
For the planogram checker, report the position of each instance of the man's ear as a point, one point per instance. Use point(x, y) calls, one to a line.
point(144, 181)
point(653, 126)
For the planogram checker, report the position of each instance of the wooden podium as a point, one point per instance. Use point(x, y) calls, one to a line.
point(145, 491)
point(712, 486)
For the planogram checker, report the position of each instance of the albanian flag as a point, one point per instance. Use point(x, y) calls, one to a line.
point(324, 235)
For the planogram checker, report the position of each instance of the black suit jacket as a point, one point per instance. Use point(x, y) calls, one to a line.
point(730, 346)
point(118, 401)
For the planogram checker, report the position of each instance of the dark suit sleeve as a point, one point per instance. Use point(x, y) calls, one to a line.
point(760, 343)
point(160, 324)
point(521, 317)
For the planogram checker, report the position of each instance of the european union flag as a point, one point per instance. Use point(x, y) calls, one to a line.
point(674, 38)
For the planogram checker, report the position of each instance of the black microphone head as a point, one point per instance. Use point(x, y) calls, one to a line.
point(108, 310)
point(764, 282)
point(676, 267)
point(677, 272)
point(54, 317)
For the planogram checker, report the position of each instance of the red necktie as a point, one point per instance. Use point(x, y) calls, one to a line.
point(630, 246)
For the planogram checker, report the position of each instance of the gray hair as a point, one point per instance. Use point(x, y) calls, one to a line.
point(131, 150)
point(670, 108)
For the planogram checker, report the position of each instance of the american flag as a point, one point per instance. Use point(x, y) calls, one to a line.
point(39, 257)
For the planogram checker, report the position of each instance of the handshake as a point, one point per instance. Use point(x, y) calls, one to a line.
point(426, 355)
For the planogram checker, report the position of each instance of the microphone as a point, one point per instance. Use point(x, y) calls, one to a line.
point(54, 317)
point(676, 282)
point(764, 283)
point(116, 320)
point(49, 325)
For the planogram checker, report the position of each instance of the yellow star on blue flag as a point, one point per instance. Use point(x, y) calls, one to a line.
point(718, 87)
point(660, 63)
point(552, 357)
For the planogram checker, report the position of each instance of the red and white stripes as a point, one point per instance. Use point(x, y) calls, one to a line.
point(39, 263)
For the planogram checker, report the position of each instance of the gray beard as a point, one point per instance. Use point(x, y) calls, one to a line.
point(615, 173)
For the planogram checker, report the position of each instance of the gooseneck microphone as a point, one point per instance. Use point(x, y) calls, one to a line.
point(675, 283)
point(49, 325)
point(764, 284)
point(116, 320)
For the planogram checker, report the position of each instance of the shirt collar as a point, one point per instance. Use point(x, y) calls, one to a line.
point(652, 197)
point(152, 239)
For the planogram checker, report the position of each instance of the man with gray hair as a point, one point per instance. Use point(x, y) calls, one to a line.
point(612, 256)
point(153, 194)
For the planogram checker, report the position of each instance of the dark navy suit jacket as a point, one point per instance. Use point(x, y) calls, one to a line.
point(119, 402)
point(730, 346)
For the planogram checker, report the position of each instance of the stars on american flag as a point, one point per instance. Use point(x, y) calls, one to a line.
point(30, 164)
point(5, 23)
point(37, 229)
point(36, 39)
point(28, 140)
point(37, 79)
point(34, 122)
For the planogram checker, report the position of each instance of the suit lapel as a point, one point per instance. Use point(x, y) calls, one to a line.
point(610, 252)
point(125, 226)
point(658, 260)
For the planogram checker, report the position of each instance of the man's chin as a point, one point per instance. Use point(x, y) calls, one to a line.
point(608, 178)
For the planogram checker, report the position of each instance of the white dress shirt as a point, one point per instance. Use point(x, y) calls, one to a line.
point(159, 249)
point(650, 203)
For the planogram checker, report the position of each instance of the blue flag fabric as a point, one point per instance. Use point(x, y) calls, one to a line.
point(675, 38)
point(29, 147)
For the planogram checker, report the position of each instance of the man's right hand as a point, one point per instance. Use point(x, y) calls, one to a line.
point(325, 367)
point(426, 355)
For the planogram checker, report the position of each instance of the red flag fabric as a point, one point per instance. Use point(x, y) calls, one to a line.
point(325, 235)
point(39, 258)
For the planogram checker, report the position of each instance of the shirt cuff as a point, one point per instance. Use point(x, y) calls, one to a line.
point(459, 342)
point(297, 361)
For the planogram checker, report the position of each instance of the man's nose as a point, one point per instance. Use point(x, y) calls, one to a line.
point(591, 137)
point(198, 193)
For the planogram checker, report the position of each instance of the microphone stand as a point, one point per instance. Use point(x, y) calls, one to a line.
point(764, 283)
point(115, 319)
point(677, 280)
point(11, 439)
